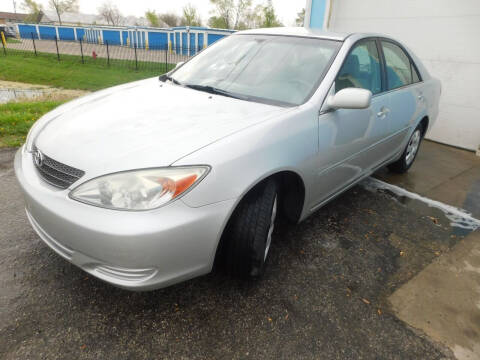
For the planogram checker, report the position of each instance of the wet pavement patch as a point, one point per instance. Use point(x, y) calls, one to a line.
point(324, 295)
point(459, 218)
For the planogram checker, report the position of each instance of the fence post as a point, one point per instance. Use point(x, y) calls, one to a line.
point(135, 49)
point(3, 43)
point(34, 47)
point(108, 54)
point(56, 44)
point(166, 58)
point(81, 51)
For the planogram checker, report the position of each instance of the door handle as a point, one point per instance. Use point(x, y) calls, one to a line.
point(383, 112)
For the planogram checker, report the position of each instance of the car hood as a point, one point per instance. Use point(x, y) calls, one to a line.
point(142, 124)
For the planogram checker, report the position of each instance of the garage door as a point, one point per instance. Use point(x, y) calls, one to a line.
point(444, 34)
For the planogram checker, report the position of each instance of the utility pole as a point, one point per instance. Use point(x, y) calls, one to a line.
point(15, 9)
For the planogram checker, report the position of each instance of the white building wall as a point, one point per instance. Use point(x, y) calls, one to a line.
point(445, 35)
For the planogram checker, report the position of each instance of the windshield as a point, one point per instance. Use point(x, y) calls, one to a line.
point(272, 69)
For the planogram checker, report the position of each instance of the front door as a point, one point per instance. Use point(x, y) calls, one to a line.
point(348, 138)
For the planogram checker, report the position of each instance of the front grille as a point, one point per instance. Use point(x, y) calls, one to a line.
point(56, 173)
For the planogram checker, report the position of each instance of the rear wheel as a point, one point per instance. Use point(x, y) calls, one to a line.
point(410, 153)
point(249, 233)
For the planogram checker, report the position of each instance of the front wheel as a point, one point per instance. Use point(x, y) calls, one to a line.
point(249, 234)
point(410, 153)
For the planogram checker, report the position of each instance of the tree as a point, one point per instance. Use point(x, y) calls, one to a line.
point(152, 18)
point(253, 18)
point(34, 10)
point(62, 6)
point(223, 13)
point(300, 20)
point(269, 17)
point(231, 14)
point(190, 16)
point(240, 10)
point(239, 15)
point(110, 13)
point(170, 19)
point(217, 22)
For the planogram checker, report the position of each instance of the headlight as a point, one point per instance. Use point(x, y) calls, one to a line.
point(139, 189)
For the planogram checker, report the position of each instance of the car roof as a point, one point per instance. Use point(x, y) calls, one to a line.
point(297, 31)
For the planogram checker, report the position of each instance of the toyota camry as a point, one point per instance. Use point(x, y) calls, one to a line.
point(150, 183)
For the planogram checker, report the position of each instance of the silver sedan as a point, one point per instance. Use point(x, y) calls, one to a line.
point(151, 183)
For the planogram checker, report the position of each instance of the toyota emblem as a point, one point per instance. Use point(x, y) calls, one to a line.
point(38, 158)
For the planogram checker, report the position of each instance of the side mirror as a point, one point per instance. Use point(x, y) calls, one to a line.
point(179, 64)
point(350, 98)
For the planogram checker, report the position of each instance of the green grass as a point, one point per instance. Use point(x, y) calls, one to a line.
point(70, 73)
point(17, 118)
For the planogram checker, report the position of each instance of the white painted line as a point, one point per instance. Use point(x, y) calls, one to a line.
point(458, 217)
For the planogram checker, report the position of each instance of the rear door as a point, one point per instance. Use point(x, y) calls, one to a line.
point(406, 98)
point(348, 138)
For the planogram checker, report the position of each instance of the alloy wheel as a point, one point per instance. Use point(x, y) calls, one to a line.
point(413, 146)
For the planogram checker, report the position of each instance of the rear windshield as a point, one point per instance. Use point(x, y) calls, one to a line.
point(273, 69)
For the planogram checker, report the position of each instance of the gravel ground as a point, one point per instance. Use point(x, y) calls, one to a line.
point(17, 91)
point(323, 295)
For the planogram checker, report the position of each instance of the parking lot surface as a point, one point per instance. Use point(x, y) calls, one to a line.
point(324, 294)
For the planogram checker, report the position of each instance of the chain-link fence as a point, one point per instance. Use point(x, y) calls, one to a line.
point(154, 57)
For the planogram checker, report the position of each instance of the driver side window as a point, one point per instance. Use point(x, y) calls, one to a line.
point(361, 69)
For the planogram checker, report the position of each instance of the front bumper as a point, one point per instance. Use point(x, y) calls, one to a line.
point(134, 250)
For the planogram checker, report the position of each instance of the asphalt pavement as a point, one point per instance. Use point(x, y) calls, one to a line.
point(324, 294)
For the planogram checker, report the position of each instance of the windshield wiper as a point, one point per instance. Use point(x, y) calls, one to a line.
point(216, 91)
point(166, 77)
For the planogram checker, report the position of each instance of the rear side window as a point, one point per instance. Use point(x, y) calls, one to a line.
point(415, 76)
point(361, 69)
point(400, 71)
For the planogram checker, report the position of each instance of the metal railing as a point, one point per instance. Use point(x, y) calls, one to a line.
point(161, 57)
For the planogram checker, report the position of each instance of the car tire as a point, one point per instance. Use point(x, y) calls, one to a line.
point(410, 153)
point(249, 232)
